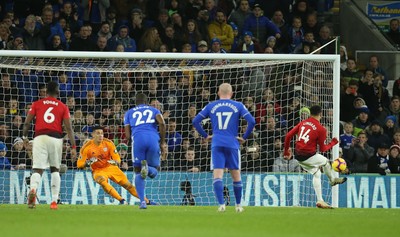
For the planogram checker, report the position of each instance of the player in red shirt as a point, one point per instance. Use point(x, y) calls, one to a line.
point(311, 133)
point(50, 114)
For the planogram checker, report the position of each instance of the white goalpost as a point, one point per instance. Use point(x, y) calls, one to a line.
point(99, 87)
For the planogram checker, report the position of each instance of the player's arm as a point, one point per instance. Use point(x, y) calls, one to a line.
point(81, 162)
point(115, 158)
point(84, 160)
point(71, 136)
point(196, 123)
point(251, 122)
point(127, 129)
point(322, 135)
point(288, 138)
point(161, 127)
point(27, 125)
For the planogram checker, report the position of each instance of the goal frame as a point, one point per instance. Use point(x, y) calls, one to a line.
point(207, 56)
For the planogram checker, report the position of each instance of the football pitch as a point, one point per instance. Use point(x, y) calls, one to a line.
point(176, 221)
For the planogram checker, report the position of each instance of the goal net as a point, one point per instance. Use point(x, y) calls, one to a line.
point(99, 87)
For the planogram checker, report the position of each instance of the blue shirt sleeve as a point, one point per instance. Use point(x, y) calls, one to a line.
point(197, 120)
point(251, 122)
point(126, 118)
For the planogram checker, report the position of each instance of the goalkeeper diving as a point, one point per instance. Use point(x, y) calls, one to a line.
point(100, 154)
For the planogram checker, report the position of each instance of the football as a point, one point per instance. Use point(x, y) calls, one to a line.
point(339, 165)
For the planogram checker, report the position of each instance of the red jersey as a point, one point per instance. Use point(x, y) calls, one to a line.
point(310, 133)
point(49, 113)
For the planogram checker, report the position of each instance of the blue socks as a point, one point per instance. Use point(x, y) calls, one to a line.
point(237, 189)
point(219, 191)
point(140, 185)
point(152, 172)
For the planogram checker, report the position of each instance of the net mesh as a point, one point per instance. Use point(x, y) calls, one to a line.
point(100, 90)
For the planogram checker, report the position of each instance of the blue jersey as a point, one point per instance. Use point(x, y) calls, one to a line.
point(225, 120)
point(142, 119)
point(346, 140)
point(145, 137)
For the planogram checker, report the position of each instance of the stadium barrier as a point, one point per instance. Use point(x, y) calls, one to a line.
point(360, 191)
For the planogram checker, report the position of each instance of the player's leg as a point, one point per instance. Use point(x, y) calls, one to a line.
point(54, 148)
point(153, 158)
point(319, 160)
point(120, 178)
point(327, 167)
point(237, 189)
point(35, 180)
point(218, 166)
point(312, 165)
point(233, 164)
point(219, 188)
point(39, 163)
point(102, 179)
point(318, 191)
point(317, 185)
point(138, 155)
point(132, 190)
point(152, 162)
point(55, 186)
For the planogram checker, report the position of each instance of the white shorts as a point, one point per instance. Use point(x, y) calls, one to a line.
point(312, 164)
point(47, 151)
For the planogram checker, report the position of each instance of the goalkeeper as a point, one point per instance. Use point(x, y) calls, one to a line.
point(101, 156)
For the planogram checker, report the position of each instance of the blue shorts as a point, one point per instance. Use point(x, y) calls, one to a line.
point(146, 147)
point(223, 157)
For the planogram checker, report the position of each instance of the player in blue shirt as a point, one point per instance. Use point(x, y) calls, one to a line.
point(141, 128)
point(225, 117)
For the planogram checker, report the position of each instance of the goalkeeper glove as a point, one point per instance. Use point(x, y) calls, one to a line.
point(112, 162)
point(91, 161)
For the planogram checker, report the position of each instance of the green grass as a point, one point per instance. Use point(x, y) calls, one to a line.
point(176, 221)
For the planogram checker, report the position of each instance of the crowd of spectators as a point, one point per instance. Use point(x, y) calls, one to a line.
point(165, 26)
point(243, 26)
point(370, 117)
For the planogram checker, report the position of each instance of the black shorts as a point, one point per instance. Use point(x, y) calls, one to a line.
point(302, 157)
